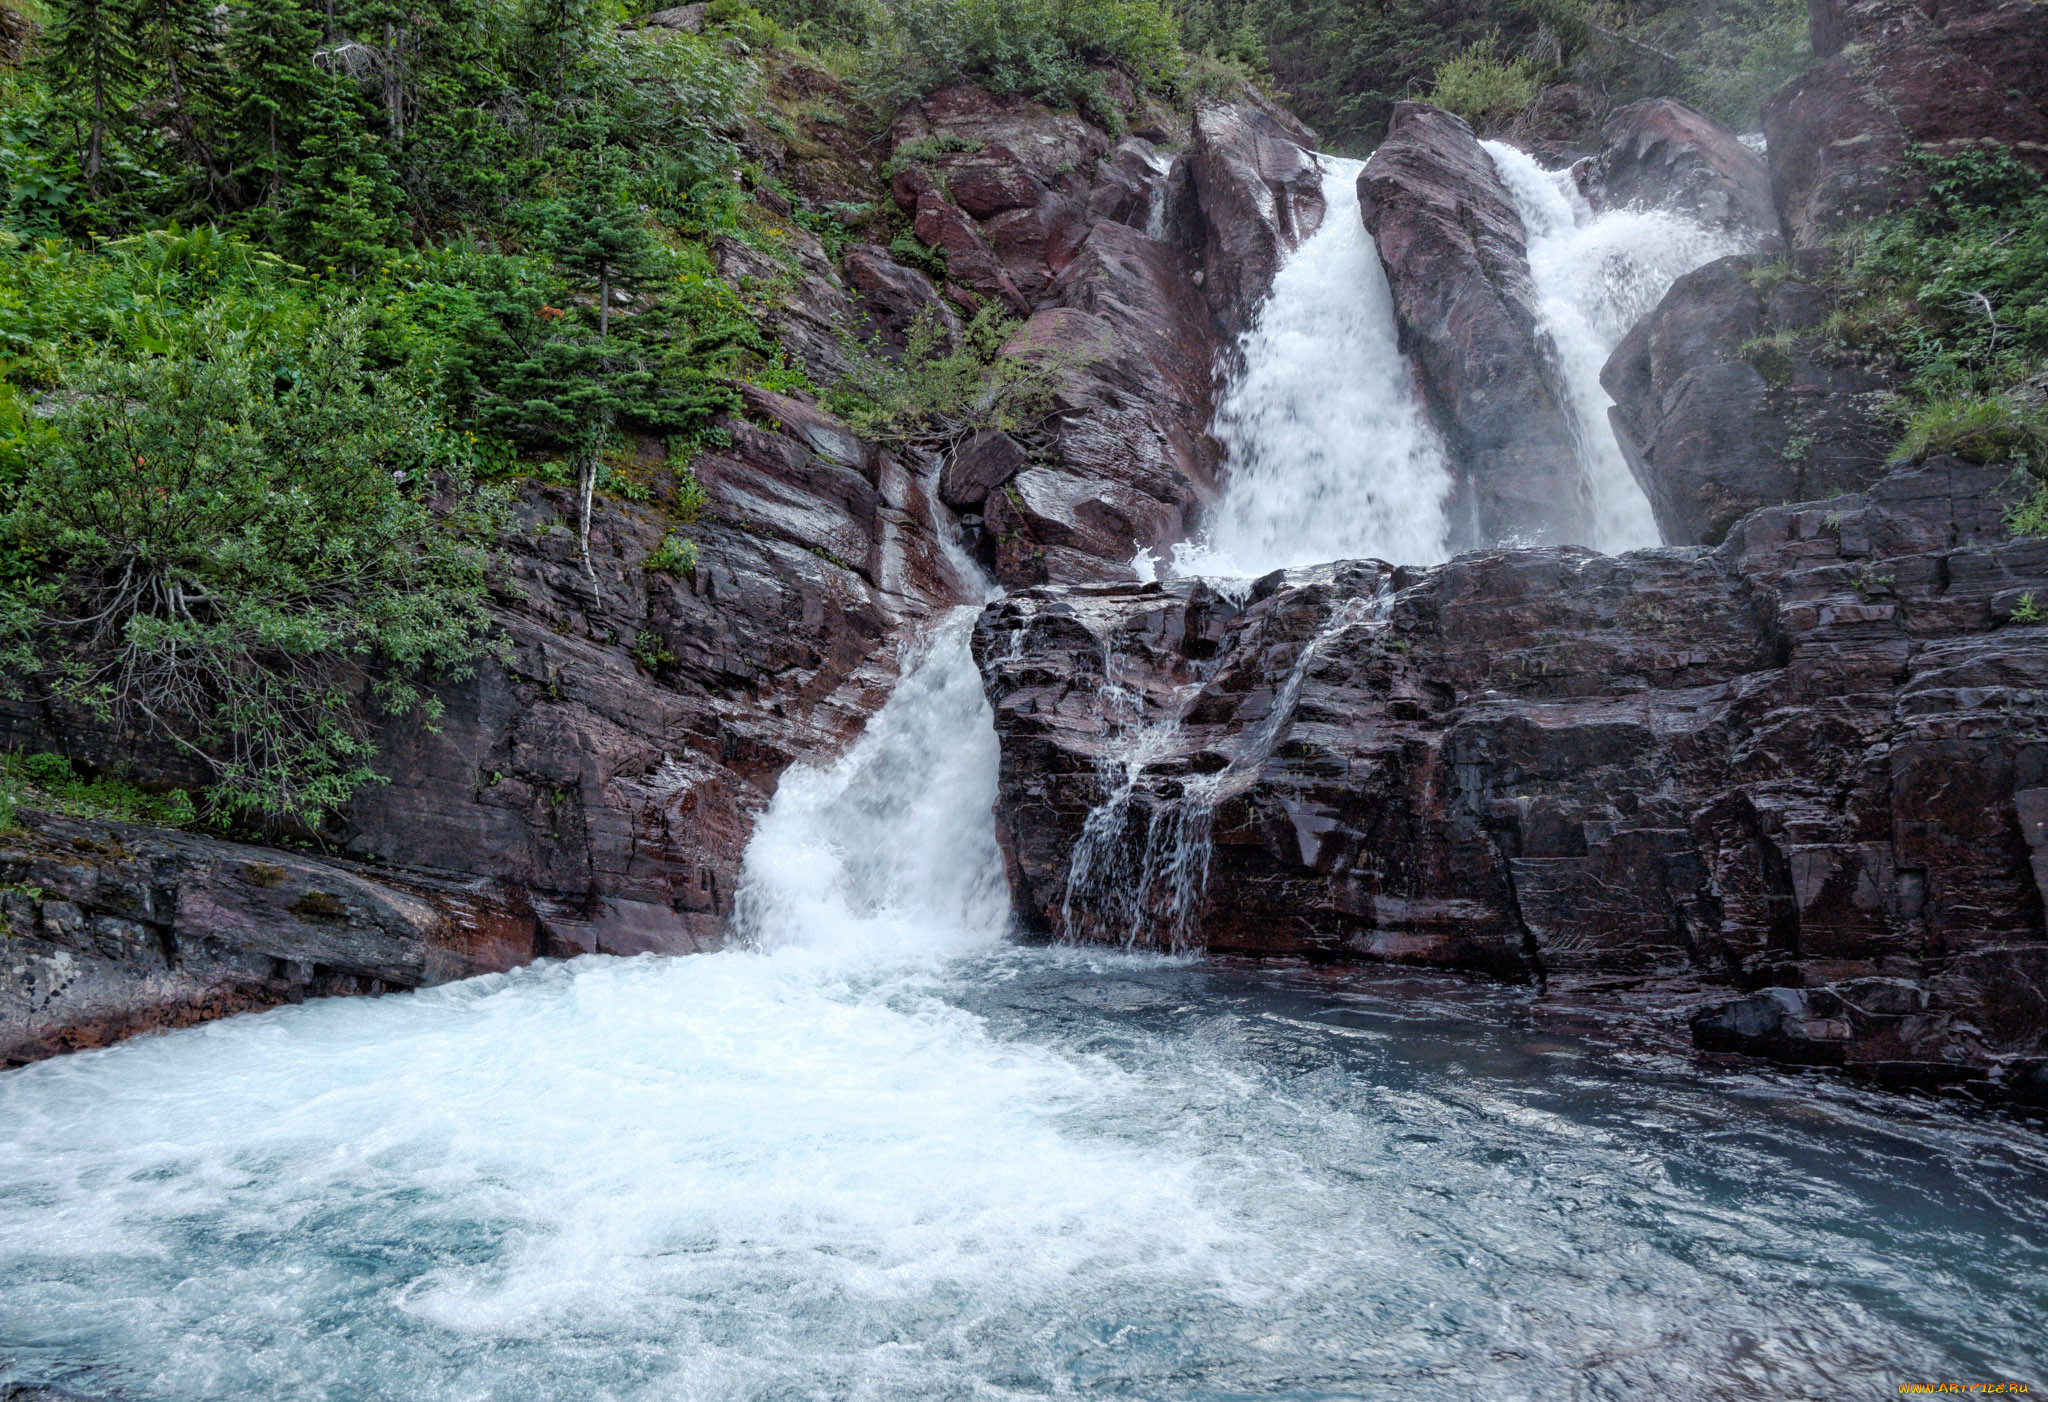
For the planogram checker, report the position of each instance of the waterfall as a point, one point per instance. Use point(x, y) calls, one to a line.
point(892, 845)
point(1597, 275)
point(1328, 453)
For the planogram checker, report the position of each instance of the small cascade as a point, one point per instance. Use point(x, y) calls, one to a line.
point(1328, 453)
point(1597, 275)
point(890, 846)
point(1161, 884)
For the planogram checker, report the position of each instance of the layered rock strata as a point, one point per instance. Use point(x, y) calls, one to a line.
point(1810, 761)
point(1894, 75)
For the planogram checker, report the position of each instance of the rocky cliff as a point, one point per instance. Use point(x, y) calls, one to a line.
point(595, 792)
point(1809, 763)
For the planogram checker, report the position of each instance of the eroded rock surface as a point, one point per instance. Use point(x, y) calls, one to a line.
point(1811, 760)
point(1456, 260)
point(1135, 262)
point(107, 929)
point(1728, 399)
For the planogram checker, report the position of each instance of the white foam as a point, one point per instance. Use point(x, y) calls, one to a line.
point(1595, 277)
point(1328, 454)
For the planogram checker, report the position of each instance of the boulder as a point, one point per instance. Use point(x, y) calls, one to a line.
point(1811, 759)
point(1453, 247)
point(982, 464)
point(1661, 154)
point(1892, 75)
point(892, 296)
point(1727, 399)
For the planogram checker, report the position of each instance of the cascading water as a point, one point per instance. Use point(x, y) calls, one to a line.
point(1136, 887)
point(880, 1153)
point(1328, 454)
point(1596, 276)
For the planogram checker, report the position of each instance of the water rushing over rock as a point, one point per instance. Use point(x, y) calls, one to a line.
point(1328, 455)
point(1596, 275)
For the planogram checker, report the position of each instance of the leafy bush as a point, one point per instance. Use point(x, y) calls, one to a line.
point(674, 556)
point(241, 550)
point(1484, 87)
point(1044, 49)
point(943, 390)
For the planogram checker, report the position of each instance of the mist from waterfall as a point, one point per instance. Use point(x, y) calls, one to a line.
point(1328, 454)
point(1596, 276)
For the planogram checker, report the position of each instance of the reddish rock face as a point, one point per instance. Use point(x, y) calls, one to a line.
point(1712, 430)
point(112, 929)
point(1807, 759)
point(1892, 75)
point(1453, 248)
point(1661, 154)
point(1260, 192)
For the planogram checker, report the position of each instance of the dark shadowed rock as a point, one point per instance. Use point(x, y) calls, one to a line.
point(1727, 399)
point(982, 464)
point(1811, 760)
point(1661, 154)
point(892, 296)
point(1452, 244)
point(1892, 75)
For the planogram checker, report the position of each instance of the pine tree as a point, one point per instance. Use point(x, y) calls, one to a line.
point(179, 46)
point(340, 207)
point(89, 52)
point(269, 49)
point(601, 238)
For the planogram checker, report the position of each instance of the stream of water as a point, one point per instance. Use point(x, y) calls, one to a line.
point(882, 1153)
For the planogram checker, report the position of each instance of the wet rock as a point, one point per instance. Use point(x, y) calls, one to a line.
point(1809, 762)
point(112, 929)
point(1453, 247)
point(1661, 154)
point(1893, 75)
point(1727, 399)
point(982, 464)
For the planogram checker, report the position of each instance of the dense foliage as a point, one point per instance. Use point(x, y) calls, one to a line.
point(1953, 292)
point(1344, 64)
point(280, 286)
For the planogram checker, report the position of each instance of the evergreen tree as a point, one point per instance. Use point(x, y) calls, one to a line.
point(340, 207)
point(179, 46)
point(270, 45)
point(89, 52)
point(601, 238)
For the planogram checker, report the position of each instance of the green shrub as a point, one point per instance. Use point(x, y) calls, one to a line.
point(909, 249)
point(652, 652)
point(1044, 49)
point(674, 556)
point(49, 781)
point(1484, 87)
point(241, 554)
point(929, 148)
point(942, 390)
